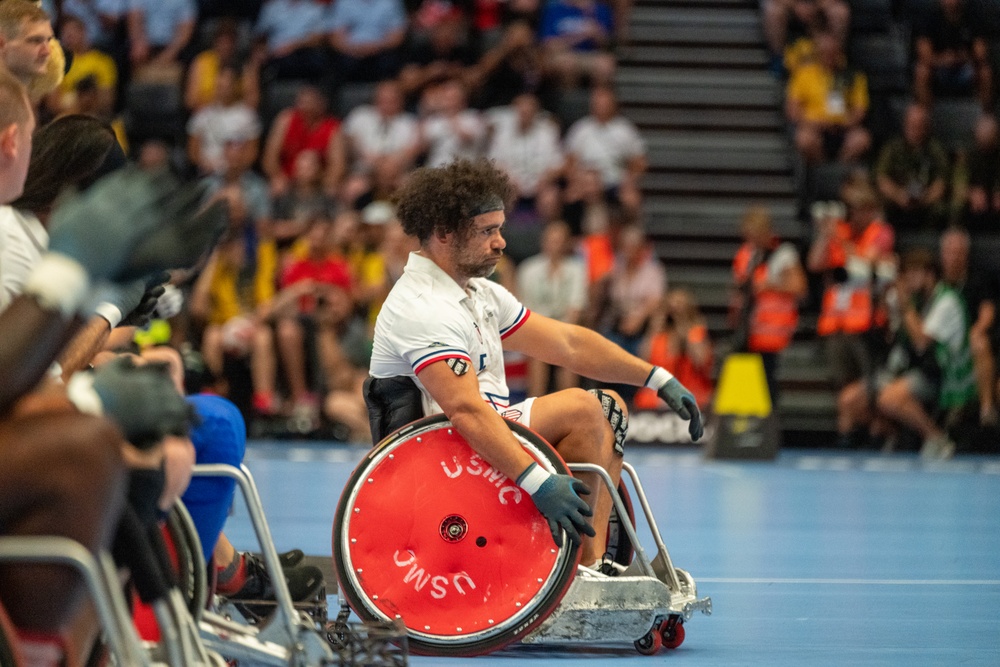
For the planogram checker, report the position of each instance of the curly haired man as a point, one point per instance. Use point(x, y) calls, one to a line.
point(447, 326)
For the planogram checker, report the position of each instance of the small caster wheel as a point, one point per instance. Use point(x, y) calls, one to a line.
point(650, 643)
point(672, 636)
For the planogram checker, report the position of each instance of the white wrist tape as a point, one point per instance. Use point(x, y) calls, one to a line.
point(110, 312)
point(80, 391)
point(534, 479)
point(59, 283)
point(658, 377)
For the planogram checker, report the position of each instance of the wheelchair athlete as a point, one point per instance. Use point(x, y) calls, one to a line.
point(446, 326)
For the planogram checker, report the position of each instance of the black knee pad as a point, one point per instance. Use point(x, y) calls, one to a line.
point(616, 416)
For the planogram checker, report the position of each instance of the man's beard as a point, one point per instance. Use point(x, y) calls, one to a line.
point(480, 268)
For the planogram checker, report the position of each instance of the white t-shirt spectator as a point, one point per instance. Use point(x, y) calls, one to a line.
point(374, 136)
point(445, 143)
point(217, 124)
point(525, 156)
point(946, 322)
point(606, 147)
point(23, 240)
point(552, 293)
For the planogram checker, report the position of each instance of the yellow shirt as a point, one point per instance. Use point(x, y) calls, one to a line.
point(92, 63)
point(227, 298)
point(206, 67)
point(827, 98)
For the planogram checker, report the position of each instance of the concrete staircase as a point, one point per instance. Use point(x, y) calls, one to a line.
point(694, 79)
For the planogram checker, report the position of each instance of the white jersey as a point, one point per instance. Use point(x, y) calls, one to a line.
point(428, 318)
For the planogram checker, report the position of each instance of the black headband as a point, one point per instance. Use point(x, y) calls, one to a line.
point(488, 205)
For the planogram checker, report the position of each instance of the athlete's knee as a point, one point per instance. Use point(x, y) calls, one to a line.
point(614, 410)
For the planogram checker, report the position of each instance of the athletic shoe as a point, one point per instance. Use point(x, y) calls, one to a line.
point(937, 448)
point(608, 567)
point(304, 582)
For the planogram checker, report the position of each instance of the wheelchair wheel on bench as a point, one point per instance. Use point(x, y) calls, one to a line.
point(428, 533)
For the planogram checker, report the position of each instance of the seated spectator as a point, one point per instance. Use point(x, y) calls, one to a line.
point(553, 284)
point(609, 143)
point(789, 25)
point(381, 141)
point(979, 294)
point(239, 182)
point(575, 35)
point(363, 250)
point(451, 129)
point(26, 42)
point(633, 291)
point(305, 202)
point(827, 103)
point(227, 119)
point(292, 32)
point(199, 91)
point(366, 38)
point(512, 67)
point(679, 342)
point(855, 258)
point(305, 126)
point(524, 142)
point(102, 19)
point(951, 53)
point(307, 286)
point(87, 62)
point(443, 53)
point(158, 31)
point(233, 297)
point(770, 282)
point(940, 373)
point(983, 211)
point(88, 101)
point(911, 174)
point(587, 212)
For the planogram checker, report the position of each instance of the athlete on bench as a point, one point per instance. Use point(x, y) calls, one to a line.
point(446, 326)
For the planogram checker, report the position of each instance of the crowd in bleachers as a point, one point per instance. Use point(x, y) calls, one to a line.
point(891, 108)
point(305, 116)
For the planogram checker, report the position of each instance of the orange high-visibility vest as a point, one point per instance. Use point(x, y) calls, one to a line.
point(697, 380)
point(849, 308)
point(775, 313)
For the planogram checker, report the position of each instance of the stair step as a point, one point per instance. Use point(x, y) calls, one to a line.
point(761, 142)
point(717, 78)
point(707, 35)
point(688, 96)
point(715, 184)
point(714, 119)
point(694, 56)
point(718, 160)
point(695, 17)
point(696, 251)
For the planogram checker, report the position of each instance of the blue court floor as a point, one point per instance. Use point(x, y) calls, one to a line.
point(818, 559)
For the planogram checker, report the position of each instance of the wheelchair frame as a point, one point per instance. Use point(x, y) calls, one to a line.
point(646, 605)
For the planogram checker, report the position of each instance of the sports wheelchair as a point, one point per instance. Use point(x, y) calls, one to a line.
point(428, 534)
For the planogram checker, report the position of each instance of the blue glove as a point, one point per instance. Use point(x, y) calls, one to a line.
point(682, 402)
point(558, 499)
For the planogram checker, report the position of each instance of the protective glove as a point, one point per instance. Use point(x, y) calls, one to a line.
point(132, 304)
point(143, 401)
point(170, 302)
point(131, 224)
point(682, 402)
point(557, 497)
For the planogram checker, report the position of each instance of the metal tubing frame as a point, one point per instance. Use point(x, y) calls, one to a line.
point(299, 643)
point(644, 563)
point(108, 600)
point(674, 583)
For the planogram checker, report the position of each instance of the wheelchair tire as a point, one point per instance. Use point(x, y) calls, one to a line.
point(192, 572)
point(468, 566)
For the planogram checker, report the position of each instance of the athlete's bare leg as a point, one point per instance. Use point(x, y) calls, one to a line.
point(573, 422)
